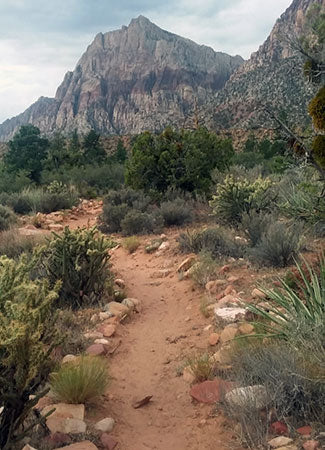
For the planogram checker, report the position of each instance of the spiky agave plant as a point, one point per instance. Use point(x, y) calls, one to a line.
point(291, 309)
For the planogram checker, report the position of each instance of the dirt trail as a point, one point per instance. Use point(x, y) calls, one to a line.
point(154, 345)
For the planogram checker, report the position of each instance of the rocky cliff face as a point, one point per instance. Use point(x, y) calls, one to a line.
point(273, 76)
point(137, 78)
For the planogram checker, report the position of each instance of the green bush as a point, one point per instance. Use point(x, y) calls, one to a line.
point(7, 218)
point(79, 258)
point(217, 241)
point(137, 222)
point(80, 381)
point(176, 212)
point(117, 204)
point(278, 246)
point(13, 244)
point(131, 244)
point(27, 338)
point(204, 270)
point(235, 197)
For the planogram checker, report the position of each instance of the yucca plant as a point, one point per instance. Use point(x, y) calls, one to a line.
point(80, 381)
point(290, 309)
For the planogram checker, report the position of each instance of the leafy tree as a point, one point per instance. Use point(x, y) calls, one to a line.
point(74, 149)
point(177, 159)
point(27, 151)
point(93, 151)
point(120, 155)
point(58, 154)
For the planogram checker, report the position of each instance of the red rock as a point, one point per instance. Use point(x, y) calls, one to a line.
point(230, 290)
point(214, 339)
point(210, 391)
point(311, 445)
point(279, 428)
point(108, 442)
point(58, 438)
point(108, 330)
point(225, 269)
point(138, 403)
point(96, 350)
point(305, 431)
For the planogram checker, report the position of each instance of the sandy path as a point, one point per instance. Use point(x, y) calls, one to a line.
point(154, 344)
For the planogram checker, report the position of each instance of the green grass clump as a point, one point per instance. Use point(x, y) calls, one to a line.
point(80, 381)
point(131, 244)
point(7, 218)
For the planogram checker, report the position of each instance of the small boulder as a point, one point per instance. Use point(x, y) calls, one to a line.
point(279, 441)
point(108, 330)
point(186, 264)
point(250, 397)
point(74, 426)
point(231, 314)
point(214, 339)
point(108, 442)
point(120, 283)
point(210, 391)
point(228, 300)
point(128, 302)
point(258, 294)
point(305, 431)
point(311, 445)
point(105, 425)
point(116, 309)
point(213, 286)
point(56, 227)
point(279, 428)
point(230, 290)
point(246, 328)
point(228, 333)
point(101, 341)
point(164, 246)
point(84, 445)
point(69, 358)
point(96, 350)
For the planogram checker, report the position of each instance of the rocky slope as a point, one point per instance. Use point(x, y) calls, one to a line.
point(273, 76)
point(129, 80)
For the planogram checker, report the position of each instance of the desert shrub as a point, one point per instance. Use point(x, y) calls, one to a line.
point(137, 222)
point(80, 259)
point(216, 241)
point(131, 244)
point(13, 244)
point(116, 206)
point(176, 212)
point(27, 338)
point(204, 270)
point(293, 309)
point(202, 366)
point(236, 196)
point(80, 381)
point(73, 325)
point(7, 218)
point(255, 223)
point(292, 385)
point(279, 245)
point(39, 200)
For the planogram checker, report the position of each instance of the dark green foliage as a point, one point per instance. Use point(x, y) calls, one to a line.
point(27, 338)
point(278, 246)
point(120, 155)
point(7, 218)
point(318, 148)
point(182, 160)
point(58, 154)
point(116, 206)
point(93, 152)
point(177, 212)
point(217, 241)
point(137, 222)
point(78, 258)
point(13, 182)
point(27, 151)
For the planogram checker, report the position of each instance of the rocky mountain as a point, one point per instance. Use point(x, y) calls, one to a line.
point(272, 76)
point(129, 80)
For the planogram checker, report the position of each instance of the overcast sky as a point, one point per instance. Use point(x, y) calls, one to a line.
point(40, 40)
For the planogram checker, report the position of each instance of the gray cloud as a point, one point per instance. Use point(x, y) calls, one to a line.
point(40, 40)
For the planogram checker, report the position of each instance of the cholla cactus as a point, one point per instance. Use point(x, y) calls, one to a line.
point(80, 259)
point(235, 197)
point(27, 337)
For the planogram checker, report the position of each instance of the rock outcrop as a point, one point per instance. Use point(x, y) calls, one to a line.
point(272, 76)
point(129, 80)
